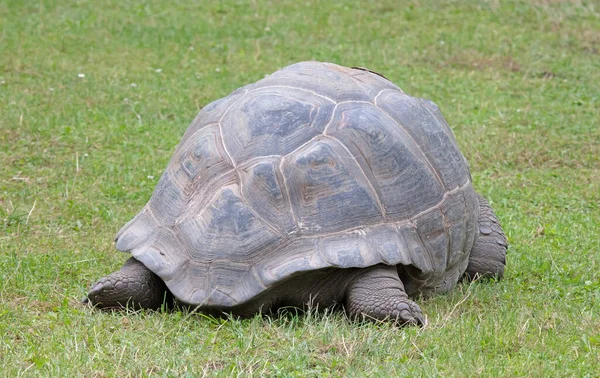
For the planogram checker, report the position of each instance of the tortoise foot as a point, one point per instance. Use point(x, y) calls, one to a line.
point(378, 295)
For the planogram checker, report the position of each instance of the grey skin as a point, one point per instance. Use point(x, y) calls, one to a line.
point(320, 185)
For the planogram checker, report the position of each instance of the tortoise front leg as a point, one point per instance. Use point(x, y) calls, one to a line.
point(133, 286)
point(378, 294)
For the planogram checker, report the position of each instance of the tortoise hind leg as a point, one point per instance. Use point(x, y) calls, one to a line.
point(378, 294)
point(488, 255)
point(133, 286)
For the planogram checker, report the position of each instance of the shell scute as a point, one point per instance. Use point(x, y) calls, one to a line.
point(273, 121)
point(327, 189)
point(399, 168)
point(430, 133)
point(264, 190)
point(226, 228)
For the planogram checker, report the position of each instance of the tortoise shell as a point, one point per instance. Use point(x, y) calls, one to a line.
point(315, 166)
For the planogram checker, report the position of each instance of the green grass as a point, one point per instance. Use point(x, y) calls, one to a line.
point(518, 81)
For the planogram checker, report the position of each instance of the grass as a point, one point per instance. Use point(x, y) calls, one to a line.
point(95, 96)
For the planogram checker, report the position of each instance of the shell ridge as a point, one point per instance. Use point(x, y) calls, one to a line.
point(424, 245)
point(447, 226)
point(221, 127)
point(249, 207)
point(259, 88)
point(402, 222)
point(418, 151)
point(443, 125)
point(288, 194)
point(376, 98)
point(364, 174)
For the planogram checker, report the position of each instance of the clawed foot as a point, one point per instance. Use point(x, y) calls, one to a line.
point(378, 294)
point(402, 313)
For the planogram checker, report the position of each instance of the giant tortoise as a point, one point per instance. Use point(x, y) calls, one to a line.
point(318, 184)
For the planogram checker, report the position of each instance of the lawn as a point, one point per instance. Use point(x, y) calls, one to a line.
point(94, 97)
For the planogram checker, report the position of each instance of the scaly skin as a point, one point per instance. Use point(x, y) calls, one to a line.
point(134, 286)
point(488, 255)
point(378, 294)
